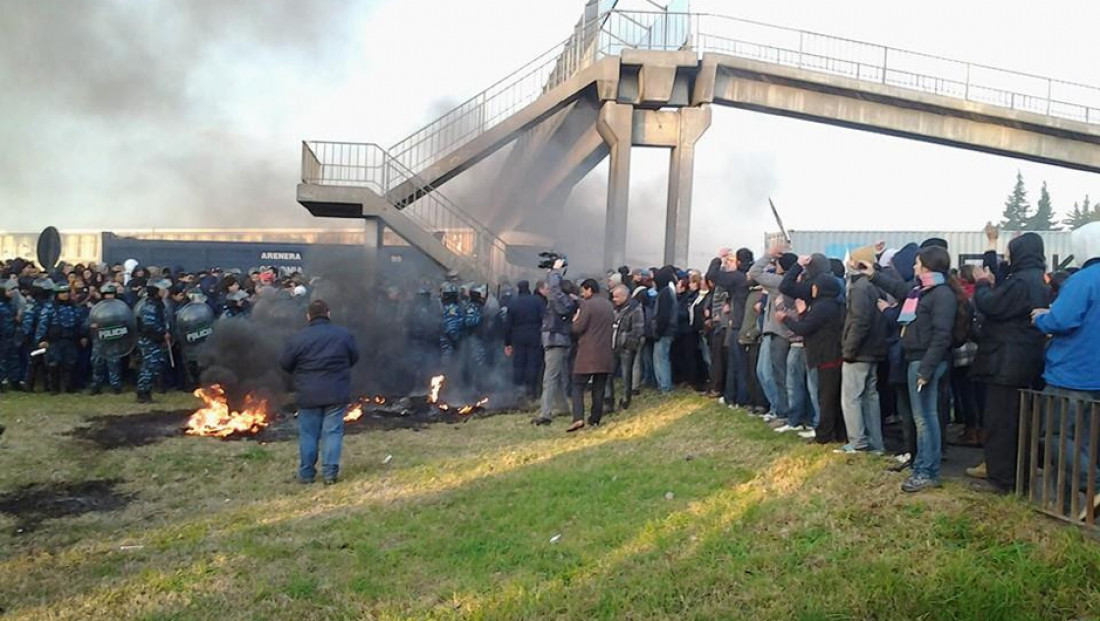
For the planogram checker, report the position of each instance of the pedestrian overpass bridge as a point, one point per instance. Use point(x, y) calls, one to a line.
point(650, 79)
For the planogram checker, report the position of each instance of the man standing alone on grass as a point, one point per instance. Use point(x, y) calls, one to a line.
point(320, 358)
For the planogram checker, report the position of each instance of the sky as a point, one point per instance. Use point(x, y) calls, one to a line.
point(189, 114)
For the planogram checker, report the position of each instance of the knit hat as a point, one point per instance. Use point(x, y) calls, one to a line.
point(787, 260)
point(864, 254)
point(934, 241)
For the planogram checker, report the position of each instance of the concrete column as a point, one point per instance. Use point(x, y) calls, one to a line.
point(681, 173)
point(372, 244)
point(615, 125)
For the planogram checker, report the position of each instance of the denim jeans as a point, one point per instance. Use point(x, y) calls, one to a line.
point(554, 378)
point(320, 426)
point(813, 386)
point(797, 395)
point(624, 372)
point(926, 419)
point(662, 363)
point(772, 369)
point(737, 376)
point(1084, 454)
point(859, 397)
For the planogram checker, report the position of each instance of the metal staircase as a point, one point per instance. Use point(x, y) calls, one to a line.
point(526, 107)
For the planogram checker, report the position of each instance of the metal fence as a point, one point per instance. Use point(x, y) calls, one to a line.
point(1057, 457)
point(370, 166)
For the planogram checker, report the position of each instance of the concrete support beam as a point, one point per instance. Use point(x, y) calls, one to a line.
point(662, 77)
point(373, 243)
point(681, 174)
point(615, 125)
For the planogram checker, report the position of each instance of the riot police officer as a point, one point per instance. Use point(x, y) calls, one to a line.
point(153, 338)
point(40, 301)
point(9, 330)
point(194, 324)
point(58, 331)
point(111, 326)
point(452, 327)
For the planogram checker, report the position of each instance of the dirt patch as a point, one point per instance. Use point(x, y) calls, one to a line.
point(114, 431)
point(31, 504)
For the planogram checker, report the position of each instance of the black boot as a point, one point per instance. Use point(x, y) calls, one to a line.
point(94, 390)
point(144, 397)
point(116, 390)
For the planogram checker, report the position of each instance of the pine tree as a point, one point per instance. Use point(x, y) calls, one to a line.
point(1015, 215)
point(1081, 215)
point(1043, 219)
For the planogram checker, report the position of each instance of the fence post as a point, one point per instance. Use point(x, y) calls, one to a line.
point(1021, 443)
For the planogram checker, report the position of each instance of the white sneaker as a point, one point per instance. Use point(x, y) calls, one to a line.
point(904, 457)
point(807, 434)
point(786, 428)
point(769, 417)
point(722, 400)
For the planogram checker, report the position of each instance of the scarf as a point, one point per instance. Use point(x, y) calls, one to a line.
point(928, 280)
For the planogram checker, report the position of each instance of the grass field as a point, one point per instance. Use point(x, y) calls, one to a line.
point(680, 509)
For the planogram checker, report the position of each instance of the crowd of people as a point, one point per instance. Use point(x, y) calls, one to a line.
point(835, 351)
point(47, 333)
point(832, 350)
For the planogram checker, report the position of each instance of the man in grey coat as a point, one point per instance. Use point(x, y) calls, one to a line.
point(772, 365)
point(556, 341)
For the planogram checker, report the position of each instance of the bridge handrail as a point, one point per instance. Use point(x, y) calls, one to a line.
point(870, 62)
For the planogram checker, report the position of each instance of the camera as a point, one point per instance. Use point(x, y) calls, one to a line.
point(549, 258)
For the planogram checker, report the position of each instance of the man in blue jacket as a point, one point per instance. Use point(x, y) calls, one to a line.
point(320, 358)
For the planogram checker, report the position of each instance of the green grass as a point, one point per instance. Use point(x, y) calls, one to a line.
point(459, 525)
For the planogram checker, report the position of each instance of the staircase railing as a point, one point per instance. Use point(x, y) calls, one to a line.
point(370, 166)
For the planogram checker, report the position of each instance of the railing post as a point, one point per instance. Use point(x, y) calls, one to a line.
point(1050, 90)
point(801, 37)
point(967, 89)
point(885, 57)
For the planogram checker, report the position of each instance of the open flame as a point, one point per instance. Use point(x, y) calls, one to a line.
point(216, 419)
point(355, 412)
point(437, 385)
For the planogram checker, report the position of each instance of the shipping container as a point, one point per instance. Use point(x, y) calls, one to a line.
point(965, 246)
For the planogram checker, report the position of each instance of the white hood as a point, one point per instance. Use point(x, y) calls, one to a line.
point(1085, 242)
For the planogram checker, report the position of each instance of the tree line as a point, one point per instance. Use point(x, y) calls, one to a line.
point(1018, 214)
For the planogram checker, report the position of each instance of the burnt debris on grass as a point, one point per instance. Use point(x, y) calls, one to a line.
point(114, 431)
point(32, 504)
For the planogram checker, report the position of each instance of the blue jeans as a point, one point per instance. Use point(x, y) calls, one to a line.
point(815, 398)
point(797, 401)
point(314, 424)
point(737, 376)
point(1083, 454)
point(771, 369)
point(926, 419)
point(862, 413)
point(662, 364)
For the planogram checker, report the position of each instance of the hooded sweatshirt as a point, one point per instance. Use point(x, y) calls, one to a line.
point(821, 325)
point(770, 281)
point(1010, 350)
point(664, 316)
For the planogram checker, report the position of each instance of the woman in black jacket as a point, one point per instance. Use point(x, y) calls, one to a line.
point(821, 326)
point(1010, 350)
point(929, 314)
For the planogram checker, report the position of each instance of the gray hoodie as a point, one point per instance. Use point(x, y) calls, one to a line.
point(771, 281)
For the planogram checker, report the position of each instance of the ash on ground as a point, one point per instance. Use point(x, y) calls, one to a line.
point(115, 431)
point(32, 504)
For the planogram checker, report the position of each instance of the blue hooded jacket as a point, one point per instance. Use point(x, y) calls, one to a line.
point(1074, 322)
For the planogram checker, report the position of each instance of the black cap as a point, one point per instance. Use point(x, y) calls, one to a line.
point(787, 260)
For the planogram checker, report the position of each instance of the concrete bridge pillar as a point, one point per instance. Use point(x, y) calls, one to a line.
point(681, 172)
point(615, 125)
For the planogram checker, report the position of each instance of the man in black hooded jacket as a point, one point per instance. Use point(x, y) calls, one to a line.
point(664, 329)
point(1010, 349)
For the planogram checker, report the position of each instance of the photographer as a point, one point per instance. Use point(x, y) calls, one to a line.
point(556, 340)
